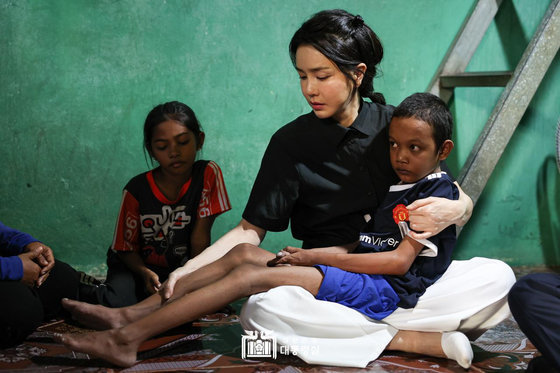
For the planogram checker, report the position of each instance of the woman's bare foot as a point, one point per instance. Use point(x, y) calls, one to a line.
point(95, 316)
point(108, 345)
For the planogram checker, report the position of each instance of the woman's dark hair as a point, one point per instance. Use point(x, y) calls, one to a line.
point(347, 41)
point(430, 109)
point(173, 110)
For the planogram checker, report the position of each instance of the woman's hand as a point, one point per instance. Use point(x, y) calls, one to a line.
point(433, 214)
point(151, 281)
point(166, 291)
point(293, 256)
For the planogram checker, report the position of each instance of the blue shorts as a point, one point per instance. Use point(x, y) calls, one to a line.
point(369, 294)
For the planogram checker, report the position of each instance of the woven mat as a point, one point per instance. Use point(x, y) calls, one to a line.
point(214, 345)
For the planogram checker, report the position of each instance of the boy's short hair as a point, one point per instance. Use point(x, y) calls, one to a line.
point(430, 109)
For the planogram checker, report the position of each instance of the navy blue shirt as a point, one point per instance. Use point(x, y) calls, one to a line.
point(382, 234)
point(323, 178)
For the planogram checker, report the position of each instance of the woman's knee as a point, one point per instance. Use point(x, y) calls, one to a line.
point(494, 274)
point(503, 272)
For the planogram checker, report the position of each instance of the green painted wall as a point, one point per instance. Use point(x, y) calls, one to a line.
point(78, 77)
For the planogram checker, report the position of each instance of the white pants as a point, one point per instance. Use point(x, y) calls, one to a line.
point(471, 297)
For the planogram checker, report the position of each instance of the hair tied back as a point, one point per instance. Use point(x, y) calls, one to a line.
point(357, 21)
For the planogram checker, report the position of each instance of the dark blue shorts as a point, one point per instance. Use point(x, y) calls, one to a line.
point(369, 294)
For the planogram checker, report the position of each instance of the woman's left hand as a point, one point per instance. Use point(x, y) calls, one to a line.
point(433, 214)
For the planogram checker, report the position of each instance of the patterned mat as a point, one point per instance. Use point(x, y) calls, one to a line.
point(213, 344)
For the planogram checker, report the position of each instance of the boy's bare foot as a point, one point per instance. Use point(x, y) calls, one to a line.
point(94, 315)
point(108, 345)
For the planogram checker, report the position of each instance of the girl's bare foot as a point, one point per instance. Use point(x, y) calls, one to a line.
point(93, 315)
point(108, 345)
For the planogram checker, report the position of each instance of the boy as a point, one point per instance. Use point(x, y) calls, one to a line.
point(419, 138)
point(374, 283)
point(32, 283)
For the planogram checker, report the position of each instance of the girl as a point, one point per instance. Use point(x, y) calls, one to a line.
point(167, 213)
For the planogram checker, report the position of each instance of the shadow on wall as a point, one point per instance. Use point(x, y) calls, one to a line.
point(511, 33)
point(548, 203)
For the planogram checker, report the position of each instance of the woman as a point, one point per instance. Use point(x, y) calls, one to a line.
point(325, 173)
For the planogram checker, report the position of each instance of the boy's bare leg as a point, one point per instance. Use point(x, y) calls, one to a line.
point(101, 317)
point(119, 346)
point(449, 345)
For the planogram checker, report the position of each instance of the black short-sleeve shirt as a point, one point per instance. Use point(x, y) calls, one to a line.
point(323, 178)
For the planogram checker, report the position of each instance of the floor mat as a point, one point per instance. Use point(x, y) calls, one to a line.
point(213, 344)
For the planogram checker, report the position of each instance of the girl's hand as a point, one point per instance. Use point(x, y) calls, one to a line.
point(151, 281)
point(292, 256)
point(433, 214)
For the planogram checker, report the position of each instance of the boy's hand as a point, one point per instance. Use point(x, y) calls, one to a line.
point(31, 269)
point(45, 260)
point(292, 256)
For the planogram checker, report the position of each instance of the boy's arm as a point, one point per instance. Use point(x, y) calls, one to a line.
point(394, 262)
point(347, 248)
point(433, 214)
point(12, 241)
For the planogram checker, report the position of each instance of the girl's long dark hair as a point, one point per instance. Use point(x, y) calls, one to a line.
point(173, 110)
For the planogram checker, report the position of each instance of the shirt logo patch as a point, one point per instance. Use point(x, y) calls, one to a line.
point(400, 213)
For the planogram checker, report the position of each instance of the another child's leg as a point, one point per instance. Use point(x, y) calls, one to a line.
point(119, 346)
point(20, 314)
point(121, 288)
point(450, 345)
point(100, 317)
